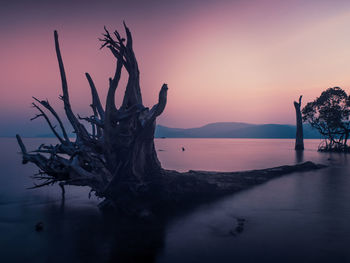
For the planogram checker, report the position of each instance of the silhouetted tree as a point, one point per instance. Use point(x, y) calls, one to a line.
point(329, 114)
point(117, 159)
point(299, 138)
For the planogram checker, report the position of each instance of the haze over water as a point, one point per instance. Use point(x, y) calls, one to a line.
point(301, 217)
point(224, 60)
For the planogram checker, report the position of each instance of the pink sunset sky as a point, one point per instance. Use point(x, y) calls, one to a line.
point(243, 61)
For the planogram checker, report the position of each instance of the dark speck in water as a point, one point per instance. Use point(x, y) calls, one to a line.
point(39, 227)
point(239, 229)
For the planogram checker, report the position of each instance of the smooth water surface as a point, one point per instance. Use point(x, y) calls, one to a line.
point(302, 217)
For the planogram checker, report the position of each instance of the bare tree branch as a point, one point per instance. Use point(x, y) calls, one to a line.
point(95, 98)
point(113, 84)
point(43, 114)
point(158, 108)
point(92, 120)
point(78, 127)
point(47, 105)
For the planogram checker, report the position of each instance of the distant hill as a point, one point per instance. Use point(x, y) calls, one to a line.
point(236, 130)
point(223, 130)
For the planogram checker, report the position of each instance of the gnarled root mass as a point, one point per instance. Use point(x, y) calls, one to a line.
point(116, 158)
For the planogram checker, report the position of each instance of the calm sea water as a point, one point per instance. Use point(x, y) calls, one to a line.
point(302, 217)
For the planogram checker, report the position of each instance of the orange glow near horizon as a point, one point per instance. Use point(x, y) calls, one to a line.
point(222, 62)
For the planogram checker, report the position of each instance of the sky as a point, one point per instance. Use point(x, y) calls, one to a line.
point(239, 60)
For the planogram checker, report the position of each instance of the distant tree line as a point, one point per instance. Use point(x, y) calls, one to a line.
point(329, 114)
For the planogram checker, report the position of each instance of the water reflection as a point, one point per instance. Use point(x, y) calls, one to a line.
point(84, 234)
point(298, 218)
point(299, 156)
point(232, 154)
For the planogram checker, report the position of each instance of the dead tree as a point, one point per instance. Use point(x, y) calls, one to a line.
point(117, 158)
point(299, 139)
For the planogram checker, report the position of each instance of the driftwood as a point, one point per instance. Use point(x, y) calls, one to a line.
point(117, 158)
point(205, 183)
point(299, 138)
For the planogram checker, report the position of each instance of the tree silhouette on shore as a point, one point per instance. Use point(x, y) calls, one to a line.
point(329, 114)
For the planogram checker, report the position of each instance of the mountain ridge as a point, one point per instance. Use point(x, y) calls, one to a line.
point(222, 130)
point(236, 130)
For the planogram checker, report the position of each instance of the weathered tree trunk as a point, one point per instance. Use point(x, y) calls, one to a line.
point(346, 138)
point(299, 139)
point(118, 160)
